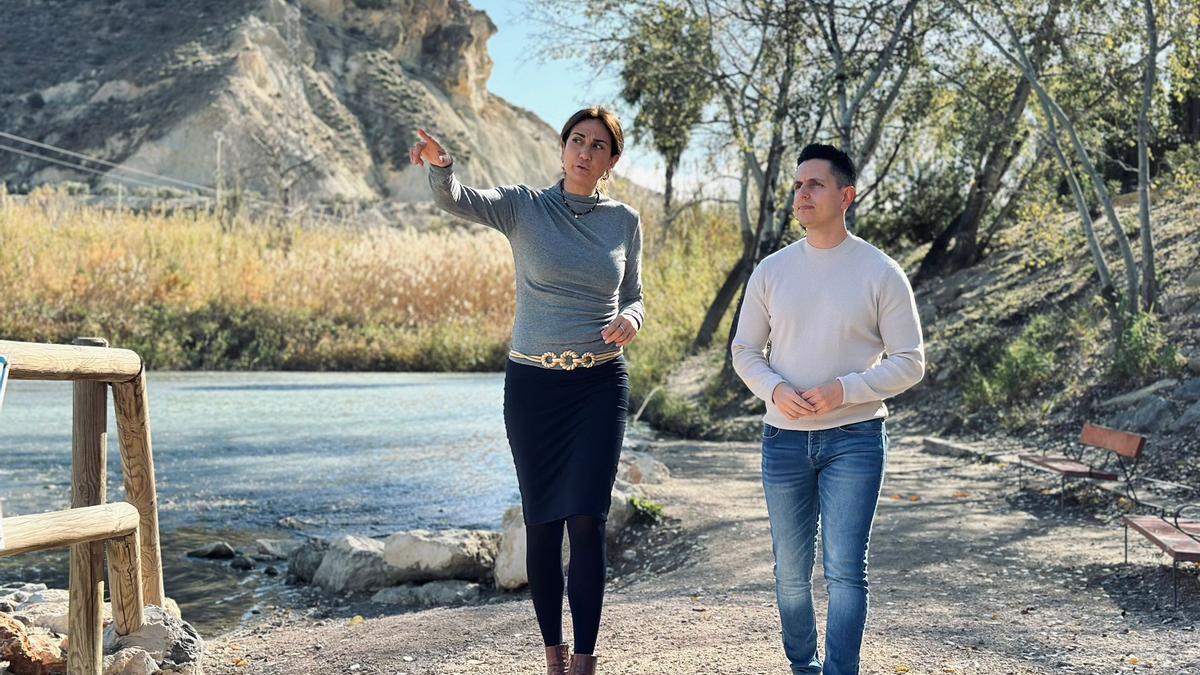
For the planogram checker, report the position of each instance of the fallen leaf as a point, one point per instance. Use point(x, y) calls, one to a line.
point(241, 663)
point(357, 620)
point(914, 498)
point(896, 498)
point(959, 494)
point(1133, 661)
point(901, 668)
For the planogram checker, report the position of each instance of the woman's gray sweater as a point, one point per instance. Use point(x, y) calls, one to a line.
point(574, 275)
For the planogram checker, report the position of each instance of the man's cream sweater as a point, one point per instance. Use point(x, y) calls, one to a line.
point(844, 313)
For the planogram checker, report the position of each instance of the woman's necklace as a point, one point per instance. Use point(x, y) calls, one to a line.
point(562, 194)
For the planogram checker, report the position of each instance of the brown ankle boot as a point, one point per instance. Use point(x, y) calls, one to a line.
point(582, 664)
point(556, 660)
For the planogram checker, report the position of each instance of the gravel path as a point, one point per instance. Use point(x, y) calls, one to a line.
point(966, 577)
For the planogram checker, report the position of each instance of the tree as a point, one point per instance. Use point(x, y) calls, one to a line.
point(664, 73)
point(1054, 117)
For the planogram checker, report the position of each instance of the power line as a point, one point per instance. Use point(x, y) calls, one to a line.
point(279, 209)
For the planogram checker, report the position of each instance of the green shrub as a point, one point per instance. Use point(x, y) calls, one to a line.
point(1142, 351)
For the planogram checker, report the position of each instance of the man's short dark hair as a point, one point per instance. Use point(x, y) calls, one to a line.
point(843, 166)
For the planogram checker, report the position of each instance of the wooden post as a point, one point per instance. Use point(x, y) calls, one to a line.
point(125, 582)
point(137, 460)
point(89, 456)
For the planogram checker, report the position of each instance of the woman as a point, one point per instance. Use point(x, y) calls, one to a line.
point(566, 390)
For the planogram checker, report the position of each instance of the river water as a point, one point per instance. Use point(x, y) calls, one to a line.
point(365, 453)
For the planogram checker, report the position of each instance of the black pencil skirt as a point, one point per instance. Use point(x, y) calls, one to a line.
point(565, 429)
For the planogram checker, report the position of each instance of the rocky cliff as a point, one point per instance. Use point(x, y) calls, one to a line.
point(302, 101)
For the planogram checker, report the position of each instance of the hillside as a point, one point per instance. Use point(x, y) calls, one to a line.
point(303, 102)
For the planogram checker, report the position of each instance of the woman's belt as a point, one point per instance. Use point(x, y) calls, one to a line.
point(568, 360)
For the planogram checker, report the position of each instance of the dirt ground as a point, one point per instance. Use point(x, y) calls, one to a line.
point(967, 576)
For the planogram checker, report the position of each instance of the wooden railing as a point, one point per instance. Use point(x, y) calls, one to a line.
point(130, 530)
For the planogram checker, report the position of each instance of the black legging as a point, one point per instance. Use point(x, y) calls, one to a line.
point(586, 574)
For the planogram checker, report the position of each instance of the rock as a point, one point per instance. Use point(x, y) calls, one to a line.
point(424, 555)
point(173, 644)
point(1125, 400)
point(279, 549)
point(294, 523)
point(1189, 390)
point(433, 594)
point(18, 592)
point(48, 595)
point(172, 608)
point(306, 558)
point(242, 563)
point(1189, 421)
point(53, 615)
point(355, 563)
point(1152, 415)
point(621, 511)
point(510, 572)
point(639, 468)
point(29, 651)
point(218, 551)
point(271, 571)
point(1193, 364)
point(130, 661)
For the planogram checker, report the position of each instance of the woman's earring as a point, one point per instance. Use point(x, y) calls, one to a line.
point(606, 174)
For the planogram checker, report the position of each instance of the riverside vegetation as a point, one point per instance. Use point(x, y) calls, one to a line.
point(190, 290)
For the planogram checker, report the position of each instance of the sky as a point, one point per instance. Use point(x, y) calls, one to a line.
point(554, 89)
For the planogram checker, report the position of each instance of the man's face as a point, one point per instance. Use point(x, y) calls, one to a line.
point(818, 201)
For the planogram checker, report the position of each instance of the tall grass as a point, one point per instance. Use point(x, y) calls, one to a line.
point(187, 292)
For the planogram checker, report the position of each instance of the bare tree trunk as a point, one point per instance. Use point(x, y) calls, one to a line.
point(752, 241)
point(1149, 277)
point(669, 192)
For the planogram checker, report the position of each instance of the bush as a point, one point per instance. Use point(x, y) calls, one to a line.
point(1142, 351)
point(1023, 367)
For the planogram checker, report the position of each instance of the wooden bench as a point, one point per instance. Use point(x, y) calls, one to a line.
point(1126, 446)
point(1177, 537)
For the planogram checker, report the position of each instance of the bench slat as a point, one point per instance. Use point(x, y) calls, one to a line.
point(1121, 442)
point(1164, 535)
point(1067, 467)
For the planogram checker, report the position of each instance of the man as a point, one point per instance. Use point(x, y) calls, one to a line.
point(841, 321)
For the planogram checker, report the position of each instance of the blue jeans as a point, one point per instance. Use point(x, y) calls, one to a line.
point(832, 476)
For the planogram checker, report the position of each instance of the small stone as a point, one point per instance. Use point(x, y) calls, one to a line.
point(217, 551)
point(242, 563)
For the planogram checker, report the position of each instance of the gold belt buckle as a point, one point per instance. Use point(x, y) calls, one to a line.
point(568, 360)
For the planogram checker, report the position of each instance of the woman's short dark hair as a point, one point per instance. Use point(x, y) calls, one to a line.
point(607, 117)
point(843, 166)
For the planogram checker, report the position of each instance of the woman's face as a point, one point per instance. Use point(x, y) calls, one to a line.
point(587, 154)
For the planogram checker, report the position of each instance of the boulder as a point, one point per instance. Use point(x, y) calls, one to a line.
point(510, 572)
point(355, 563)
point(130, 661)
point(216, 551)
point(173, 644)
point(1152, 415)
point(1126, 400)
point(1189, 390)
point(279, 549)
point(304, 560)
point(446, 593)
point(1189, 421)
point(641, 469)
point(424, 555)
point(29, 651)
